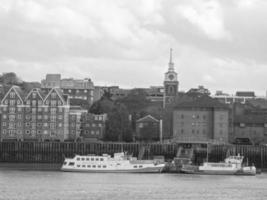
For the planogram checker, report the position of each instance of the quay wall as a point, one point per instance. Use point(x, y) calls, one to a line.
point(55, 152)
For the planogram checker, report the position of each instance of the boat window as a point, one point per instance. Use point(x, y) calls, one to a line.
point(135, 166)
point(82, 158)
point(64, 163)
point(78, 165)
point(93, 166)
point(92, 159)
point(101, 159)
point(140, 166)
point(83, 165)
point(99, 166)
point(104, 166)
point(96, 159)
point(89, 166)
point(78, 158)
point(71, 163)
point(87, 159)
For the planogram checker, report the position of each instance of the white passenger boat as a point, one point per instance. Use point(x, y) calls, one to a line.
point(105, 163)
point(231, 166)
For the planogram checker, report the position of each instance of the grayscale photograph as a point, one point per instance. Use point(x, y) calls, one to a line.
point(133, 99)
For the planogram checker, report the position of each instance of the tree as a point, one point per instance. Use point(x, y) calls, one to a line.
point(136, 100)
point(118, 126)
point(10, 78)
point(104, 105)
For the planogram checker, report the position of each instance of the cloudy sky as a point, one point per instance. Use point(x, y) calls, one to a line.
point(219, 44)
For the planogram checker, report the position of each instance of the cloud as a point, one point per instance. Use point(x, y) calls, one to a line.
point(207, 16)
point(127, 42)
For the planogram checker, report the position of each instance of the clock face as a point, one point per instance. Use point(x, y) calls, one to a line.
point(171, 76)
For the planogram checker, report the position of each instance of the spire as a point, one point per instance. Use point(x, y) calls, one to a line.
point(171, 64)
point(170, 55)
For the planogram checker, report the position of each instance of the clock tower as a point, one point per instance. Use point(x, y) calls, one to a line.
point(170, 84)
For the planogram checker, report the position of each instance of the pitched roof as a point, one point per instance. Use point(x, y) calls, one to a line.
point(39, 92)
point(147, 118)
point(250, 119)
point(62, 96)
point(17, 90)
point(203, 101)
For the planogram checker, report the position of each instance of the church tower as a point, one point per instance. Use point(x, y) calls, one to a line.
point(170, 84)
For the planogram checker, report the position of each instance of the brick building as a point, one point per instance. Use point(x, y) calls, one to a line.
point(75, 122)
point(74, 88)
point(147, 128)
point(201, 119)
point(35, 116)
point(250, 127)
point(93, 126)
point(12, 108)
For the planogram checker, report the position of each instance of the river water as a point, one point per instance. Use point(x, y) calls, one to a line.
point(56, 185)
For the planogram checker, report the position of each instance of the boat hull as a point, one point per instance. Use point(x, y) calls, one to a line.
point(143, 170)
point(242, 172)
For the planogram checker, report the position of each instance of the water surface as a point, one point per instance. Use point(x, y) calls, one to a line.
point(44, 185)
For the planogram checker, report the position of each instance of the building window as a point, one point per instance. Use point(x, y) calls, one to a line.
point(53, 111)
point(34, 95)
point(12, 102)
point(34, 110)
point(40, 102)
point(59, 124)
point(53, 103)
point(12, 94)
point(12, 110)
point(46, 109)
point(53, 95)
point(92, 132)
point(33, 102)
point(28, 102)
point(19, 109)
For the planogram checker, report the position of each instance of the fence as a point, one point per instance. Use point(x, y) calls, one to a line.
point(55, 152)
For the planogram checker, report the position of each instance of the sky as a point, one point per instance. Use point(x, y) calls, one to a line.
point(219, 44)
